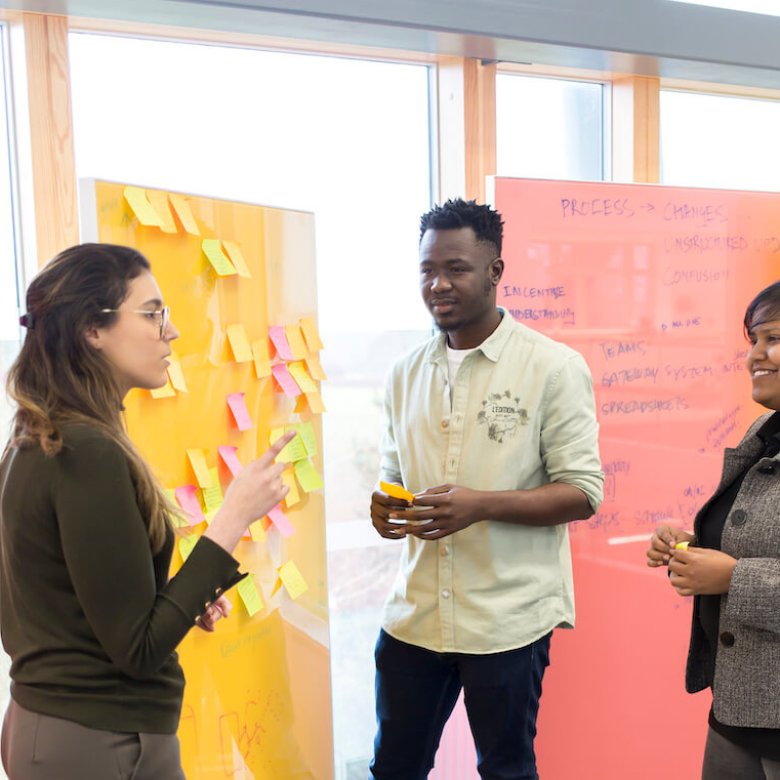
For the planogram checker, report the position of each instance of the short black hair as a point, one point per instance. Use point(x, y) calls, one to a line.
point(768, 302)
point(458, 213)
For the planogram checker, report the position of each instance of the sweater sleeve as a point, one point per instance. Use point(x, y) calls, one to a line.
point(106, 550)
point(753, 594)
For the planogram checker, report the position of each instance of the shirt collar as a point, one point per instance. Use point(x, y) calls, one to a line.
point(491, 347)
point(769, 433)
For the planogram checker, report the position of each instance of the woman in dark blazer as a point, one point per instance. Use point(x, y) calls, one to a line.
point(732, 569)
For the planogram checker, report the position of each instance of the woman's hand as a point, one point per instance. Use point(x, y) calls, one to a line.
point(662, 543)
point(218, 609)
point(700, 571)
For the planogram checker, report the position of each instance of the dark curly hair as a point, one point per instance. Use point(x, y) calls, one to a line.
point(458, 213)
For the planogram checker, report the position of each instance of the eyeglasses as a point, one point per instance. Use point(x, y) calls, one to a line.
point(161, 316)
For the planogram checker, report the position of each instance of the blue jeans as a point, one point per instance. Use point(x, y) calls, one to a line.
point(416, 690)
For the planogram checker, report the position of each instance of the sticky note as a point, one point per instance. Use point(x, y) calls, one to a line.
point(183, 211)
point(257, 532)
point(308, 477)
point(262, 358)
point(175, 373)
point(281, 521)
point(212, 495)
point(159, 201)
point(306, 431)
point(198, 463)
point(681, 545)
point(293, 450)
point(396, 491)
point(176, 517)
point(187, 544)
point(301, 377)
point(285, 380)
point(142, 208)
point(292, 579)
point(187, 497)
point(295, 341)
point(230, 459)
point(311, 334)
point(250, 595)
point(239, 343)
point(315, 403)
point(293, 496)
point(237, 258)
point(279, 339)
point(240, 413)
point(166, 391)
point(315, 368)
point(220, 262)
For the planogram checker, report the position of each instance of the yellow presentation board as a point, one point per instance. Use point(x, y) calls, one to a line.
point(240, 282)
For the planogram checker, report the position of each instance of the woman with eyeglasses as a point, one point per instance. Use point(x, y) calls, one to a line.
point(730, 564)
point(88, 613)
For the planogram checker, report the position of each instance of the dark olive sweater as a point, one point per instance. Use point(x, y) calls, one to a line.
point(87, 613)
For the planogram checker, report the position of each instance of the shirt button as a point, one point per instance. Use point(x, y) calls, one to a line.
point(445, 594)
point(727, 639)
point(445, 423)
point(768, 468)
point(738, 517)
point(444, 551)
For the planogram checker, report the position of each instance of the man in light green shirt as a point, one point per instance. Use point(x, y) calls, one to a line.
point(492, 426)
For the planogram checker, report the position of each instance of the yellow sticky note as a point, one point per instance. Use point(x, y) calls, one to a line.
point(315, 368)
point(293, 494)
point(306, 431)
point(142, 208)
point(159, 201)
point(311, 334)
point(237, 258)
point(301, 377)
point(219, 260)
point(257, 532)
point(292, 579)
point(212, 495)
point(293, 450)
point(315, 403)
point(295, 342)
point(183, 211)
point(250, 595)
point(199, 466)
point(186, 544)
point(308, 477)
point(681, 545)
point(262, 358)
point(175, 373)
point(396, 491)
point(239, 343)
point(166, 391)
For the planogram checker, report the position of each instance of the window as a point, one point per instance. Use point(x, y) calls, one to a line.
point(549, 128)
point(349, 140)
point(719, 141)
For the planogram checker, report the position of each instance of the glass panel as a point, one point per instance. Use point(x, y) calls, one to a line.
point(549, 128)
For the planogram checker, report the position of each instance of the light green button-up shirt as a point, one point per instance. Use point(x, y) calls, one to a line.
point(522, 415)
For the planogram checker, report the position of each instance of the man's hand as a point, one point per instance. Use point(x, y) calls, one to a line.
point(382, 506)
point(448, 508)
point(699, 571)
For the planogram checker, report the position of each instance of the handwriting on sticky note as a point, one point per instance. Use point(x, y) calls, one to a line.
point(200, 468)
point(187, 544)
point(141, 207)
point(279, 340)
point(250, 595)
point(183, 211)
point(308, 477)
point(240, 412)
point(230, 459)
point(295, 340)
point(285, 380)
point(281, 521)
point(311, 334)
point(187, 497)
point(293, 450)
point(293, 580)
point(166, 391)
point(301, 376)
point(220, 262)
point(396, 491)
point(237, 258)
point(262, 358)
point(212, 495)
point(239, 343)
point(159, 201)
point(175, 373)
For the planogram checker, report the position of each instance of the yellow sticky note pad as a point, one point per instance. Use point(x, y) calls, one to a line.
point(183, 211)
point(301, 377)
point(239, 343)
point(295, 342)
point(294, 450)
point(166, 391)
point(681, 545)
point(212, 495)
point(308, 477)
point(311, 334)
point(142, 208)
point(199, 466)
point(293, 496)
point(396, 491)
point(159, 201)
point(237, 258)
point(175, 374)
point(257, 532)
point(186, 545)
point(262, 358)
point(292, 579)
point(250, 595)
point(212, 248)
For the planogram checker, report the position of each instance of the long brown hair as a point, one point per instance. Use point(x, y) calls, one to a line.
point(59, 378)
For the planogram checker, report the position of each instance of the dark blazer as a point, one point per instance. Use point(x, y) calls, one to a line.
point(747, 663)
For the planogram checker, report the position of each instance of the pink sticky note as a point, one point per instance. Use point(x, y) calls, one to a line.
point(188, 501)
point(277, 334)
point(228, 455)
point(281, 521)
point(285, 380)
point(240, 412)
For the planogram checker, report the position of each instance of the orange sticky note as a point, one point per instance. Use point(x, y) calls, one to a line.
point(301, 376)
point(220, 262)
point(315, 368)
point(239, 343)
point(199, 467)
point(141, 207)
point(183, 211)
point(237, 258)
point(159, 201)
point(240, 413)
point(292, 579)
point(166, 391)
point(397, 491)
point(315, 403)
point(175, 373)
point(293, 495)
point(311, 334)
point(262, 358)
point(295, 340)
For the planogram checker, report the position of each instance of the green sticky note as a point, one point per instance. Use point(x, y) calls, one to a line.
point(250, 595)
point(294, 450)
point(307, 476)
point(186, 543)
point(306, 430)
point(212, 248)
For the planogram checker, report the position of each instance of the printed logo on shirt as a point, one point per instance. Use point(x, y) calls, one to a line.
point(502, 415)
